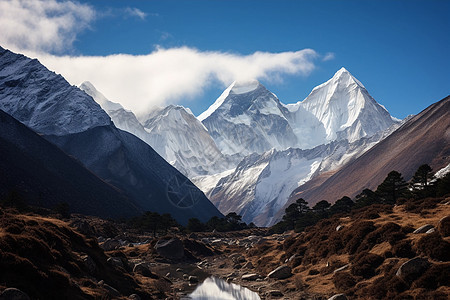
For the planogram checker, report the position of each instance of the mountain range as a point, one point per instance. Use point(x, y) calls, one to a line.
point(73, 121)
point(423, 139)
point(249, 153)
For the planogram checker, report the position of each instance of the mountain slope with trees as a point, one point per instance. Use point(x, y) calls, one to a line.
point(424, 139)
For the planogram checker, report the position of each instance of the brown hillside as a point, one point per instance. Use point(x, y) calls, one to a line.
point(47, 259)
point(361, 259)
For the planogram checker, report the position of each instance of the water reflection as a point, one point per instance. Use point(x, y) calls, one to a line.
point(214, 288)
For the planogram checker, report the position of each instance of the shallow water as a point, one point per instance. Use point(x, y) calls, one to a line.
point(214, 288)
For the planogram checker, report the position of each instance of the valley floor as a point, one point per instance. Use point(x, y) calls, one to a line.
point(359, 255)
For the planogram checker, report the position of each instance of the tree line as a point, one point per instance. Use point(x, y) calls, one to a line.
point(393, 190)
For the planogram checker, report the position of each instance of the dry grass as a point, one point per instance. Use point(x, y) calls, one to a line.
point(375, 243)
point(44, 258)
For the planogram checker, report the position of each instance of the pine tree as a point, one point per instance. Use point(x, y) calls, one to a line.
point(366, 197)
point(344, 204)
point(392, 188)
point(420, 183)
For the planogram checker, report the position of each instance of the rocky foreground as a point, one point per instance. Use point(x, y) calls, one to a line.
point(378, 252)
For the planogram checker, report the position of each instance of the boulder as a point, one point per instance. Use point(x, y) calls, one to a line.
point(13, 294)
point(110, 244)
point(281, 272)
point(423, 229)
point(413, 268)
point(142, 268)
point(444, 226)
point(275, 293)
point(193, 279)
point(83, 227)
point(171, 249)
point(112, 291)
point(430, 230)
point(248, 265)
point(339, 227)
point(250, 277)
point(115, 261)
point(89, 263)
point(338, 297)
point(341, 268)
point(134, 297)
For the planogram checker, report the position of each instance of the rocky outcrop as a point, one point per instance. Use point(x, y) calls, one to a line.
point(423, 229)
point(110, 244)
point(171, 249)
point(444, 226)
point(413, 268)
point(250, 277)
point(281, 272)
point(338, 297)
point(13, 294)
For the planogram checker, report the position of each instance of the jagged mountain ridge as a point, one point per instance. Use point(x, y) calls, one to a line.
point(173, 132)
point(261, 184)
point(255, 120)
point(54, 108)
point(82, 129)
point(248, 118)
point(423, 139)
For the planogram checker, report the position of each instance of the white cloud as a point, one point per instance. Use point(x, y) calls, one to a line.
point(171, 75)
point(42, 25)
point(328, 56)
point(136, 12)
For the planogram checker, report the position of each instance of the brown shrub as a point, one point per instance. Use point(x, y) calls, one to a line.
point(313, 272)
point(386, 287)
point(365, 263)
point(389, 232)
point(418, 206)
point(354, 235)
point(437, 275)
point(371, 212)
point(434, 246)
point(403, 249)
point(332, 265)
point(343, 281)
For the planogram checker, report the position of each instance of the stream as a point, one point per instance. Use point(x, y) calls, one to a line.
point(214, 288)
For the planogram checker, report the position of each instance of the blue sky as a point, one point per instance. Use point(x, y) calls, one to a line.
point(397, 49)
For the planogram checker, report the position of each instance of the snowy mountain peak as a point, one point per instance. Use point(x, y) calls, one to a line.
point(44, 100)
point(106, 104)
point(238, 87)
point(345, 108)
point(244, 86)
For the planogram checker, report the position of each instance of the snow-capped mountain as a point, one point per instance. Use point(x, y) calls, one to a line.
point(122, 118)
point(73, 121)
point(178, 136)
point(345, 108)
point(261, 184)
point(173, 132)
point(422, 139)
point(248, 118)
point(337, 122)
point(44, 100)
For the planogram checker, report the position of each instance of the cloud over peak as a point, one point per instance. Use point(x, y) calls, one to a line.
point(44, 28)
point(169, 75)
